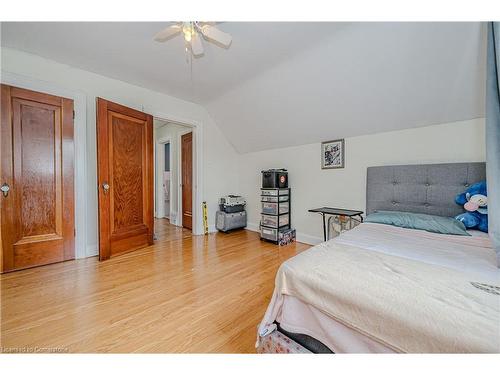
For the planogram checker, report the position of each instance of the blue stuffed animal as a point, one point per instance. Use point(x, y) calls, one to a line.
point(475, 202)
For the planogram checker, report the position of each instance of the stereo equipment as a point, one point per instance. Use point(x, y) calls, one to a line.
point(274, 179)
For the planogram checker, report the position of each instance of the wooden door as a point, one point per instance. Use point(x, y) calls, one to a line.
point(125, 178)
point(187, 180)
point(37, 150)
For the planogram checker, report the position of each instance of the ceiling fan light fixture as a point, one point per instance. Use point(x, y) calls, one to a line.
point(188, 31)
point(193, 33)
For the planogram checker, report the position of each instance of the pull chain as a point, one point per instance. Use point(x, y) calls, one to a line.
point(191, 76)
point(189, 60)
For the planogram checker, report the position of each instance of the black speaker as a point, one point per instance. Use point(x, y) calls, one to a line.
point(275, 178)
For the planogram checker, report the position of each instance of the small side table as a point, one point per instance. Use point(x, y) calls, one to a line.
point(324, 211)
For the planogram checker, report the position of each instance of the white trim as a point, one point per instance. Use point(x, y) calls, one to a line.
point(301, 237)
point(170, 180)
point(197, 129)
point(92, 250)
point(80, 142)
point(160, 154)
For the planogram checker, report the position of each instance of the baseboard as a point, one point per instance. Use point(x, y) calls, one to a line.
point(253, 227)
point(92, 251)
point(174, 218)
point(308, 239)
point(301, 237)
point(211, 229)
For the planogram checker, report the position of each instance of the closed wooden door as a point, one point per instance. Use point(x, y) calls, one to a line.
point(37, 199)
point(187, 180)
point(125, 178)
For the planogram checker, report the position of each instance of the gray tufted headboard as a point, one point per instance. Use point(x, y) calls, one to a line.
point(422, 188)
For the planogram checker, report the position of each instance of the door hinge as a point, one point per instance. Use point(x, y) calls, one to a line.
point(74, 232)
point(73, 115)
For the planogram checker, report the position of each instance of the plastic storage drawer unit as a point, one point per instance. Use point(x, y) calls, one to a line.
point(271, 234)
point(270, 198)
point(274, 192)
point(272, 208)
point(272, 221)
point(275, 212)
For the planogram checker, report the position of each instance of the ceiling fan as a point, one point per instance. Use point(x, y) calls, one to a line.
point(193, 33)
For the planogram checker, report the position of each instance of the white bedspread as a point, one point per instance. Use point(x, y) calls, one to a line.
point(463, 253)
point(409, 290)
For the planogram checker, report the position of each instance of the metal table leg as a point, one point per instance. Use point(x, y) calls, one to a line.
point(324, 227)
point(328, 226)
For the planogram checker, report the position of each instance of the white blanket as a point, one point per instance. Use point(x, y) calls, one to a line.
point(419, 299)
point(462, 253)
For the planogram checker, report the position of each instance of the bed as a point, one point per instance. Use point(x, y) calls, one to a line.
point(384, 289)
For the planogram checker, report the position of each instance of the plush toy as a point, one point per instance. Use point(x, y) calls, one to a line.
point(475, 202)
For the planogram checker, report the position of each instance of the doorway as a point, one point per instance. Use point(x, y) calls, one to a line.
point(170, 178)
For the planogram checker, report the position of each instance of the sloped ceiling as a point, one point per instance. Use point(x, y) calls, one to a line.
point(284, 84)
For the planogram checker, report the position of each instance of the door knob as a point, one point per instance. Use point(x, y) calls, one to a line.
point(105, 187)
point(5, 189)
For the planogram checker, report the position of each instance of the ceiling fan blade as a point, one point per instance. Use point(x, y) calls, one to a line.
point(167, 33)
point(211, 32)
point(196, 45)
point(203, 23)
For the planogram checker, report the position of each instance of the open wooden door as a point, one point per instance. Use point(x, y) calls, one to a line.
point(125, 178)
point(36, 178)
point(187, 180)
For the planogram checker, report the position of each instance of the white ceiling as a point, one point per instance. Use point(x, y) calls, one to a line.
point(126, 51)
point(283, 84)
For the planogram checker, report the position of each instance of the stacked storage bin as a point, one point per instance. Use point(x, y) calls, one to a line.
point(232, 214)
point(275, 205)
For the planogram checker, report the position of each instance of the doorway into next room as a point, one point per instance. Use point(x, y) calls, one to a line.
point(174, 173)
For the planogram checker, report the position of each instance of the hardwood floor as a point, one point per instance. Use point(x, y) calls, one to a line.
point(198, 294)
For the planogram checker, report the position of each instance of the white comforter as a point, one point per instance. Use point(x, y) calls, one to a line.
point(408, 290)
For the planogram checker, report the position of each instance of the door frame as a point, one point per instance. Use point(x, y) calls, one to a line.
point(160, 145)
point(80, 144)
point(198, 167)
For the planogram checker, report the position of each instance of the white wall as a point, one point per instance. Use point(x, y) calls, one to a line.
point(172, 132)
point(346, 188)
point(219, 158)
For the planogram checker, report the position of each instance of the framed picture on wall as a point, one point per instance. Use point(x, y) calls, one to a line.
point(332, 154)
